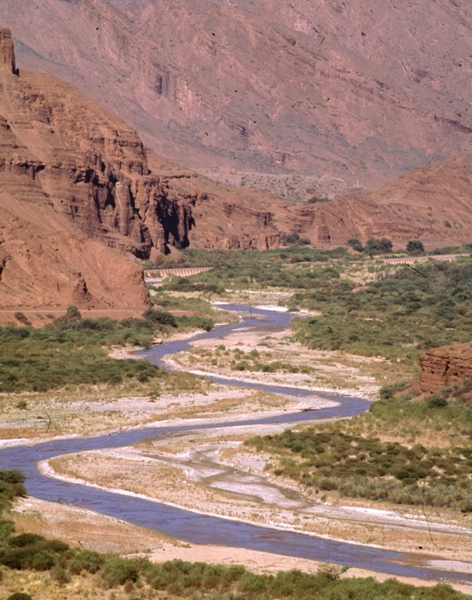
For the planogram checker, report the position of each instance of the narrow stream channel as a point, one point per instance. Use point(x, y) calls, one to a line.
point(203, 529)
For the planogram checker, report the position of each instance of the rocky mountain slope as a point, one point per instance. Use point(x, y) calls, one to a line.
point(77, 189)
point(363, 91)
point(432, 203)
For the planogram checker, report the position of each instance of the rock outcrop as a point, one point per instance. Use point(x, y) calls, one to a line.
point(445, 366)
point(77, 190)
point(7, 51)
point(364, 91)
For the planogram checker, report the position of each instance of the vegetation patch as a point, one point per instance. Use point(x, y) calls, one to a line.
point(252, 361)
point(72, 350)
point(361, 459)
point(400, 315)
point(241, 269)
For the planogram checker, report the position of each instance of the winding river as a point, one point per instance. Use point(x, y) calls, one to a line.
point(203, 529)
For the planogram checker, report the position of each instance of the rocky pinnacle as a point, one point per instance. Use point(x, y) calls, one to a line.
point(7, 51)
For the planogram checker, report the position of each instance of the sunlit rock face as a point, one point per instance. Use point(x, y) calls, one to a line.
point(363, 90)
point(445, 366)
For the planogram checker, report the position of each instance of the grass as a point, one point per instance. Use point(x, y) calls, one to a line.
point(74, 351)
point(403, 451)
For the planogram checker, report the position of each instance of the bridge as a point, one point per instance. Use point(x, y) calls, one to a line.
point(411, 260)
point(157, 275)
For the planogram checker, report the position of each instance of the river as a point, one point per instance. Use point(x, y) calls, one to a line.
point(198, 528)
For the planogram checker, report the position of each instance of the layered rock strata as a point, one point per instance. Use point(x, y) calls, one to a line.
point(363, 91)
point(77, 190)
point(445, 366)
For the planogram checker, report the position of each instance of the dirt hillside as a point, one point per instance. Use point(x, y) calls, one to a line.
point(432, 203)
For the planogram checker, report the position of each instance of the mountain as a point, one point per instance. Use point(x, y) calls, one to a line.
point(78, 191)
point(362, 91)
point(432, 203)
point(80, 195)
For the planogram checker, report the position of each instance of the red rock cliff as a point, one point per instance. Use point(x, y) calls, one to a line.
point(441, 367)
point(76, 189)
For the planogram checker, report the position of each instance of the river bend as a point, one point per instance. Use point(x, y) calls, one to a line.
point(198, 528)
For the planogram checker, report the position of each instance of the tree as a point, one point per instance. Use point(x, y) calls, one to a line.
point(374, 246)
point(355, 244)
point(72, 315)
point(415, 247)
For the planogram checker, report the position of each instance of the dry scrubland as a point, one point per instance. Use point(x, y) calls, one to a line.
point(263, 477)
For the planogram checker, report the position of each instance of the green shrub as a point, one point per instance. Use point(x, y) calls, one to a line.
point(378, 246)
point(22, 318)
point(415, 247)
point(387, 392)
point(291, 238)
point(26, 539)
point(6, 530)
point(159, 317)
point(20, 596)
point(118, 571)
point(437, 402)
point(59, 574)
point(11, 476)
point(87, 560)
point(355, 244)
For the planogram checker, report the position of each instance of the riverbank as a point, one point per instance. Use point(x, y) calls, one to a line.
point(181, 484)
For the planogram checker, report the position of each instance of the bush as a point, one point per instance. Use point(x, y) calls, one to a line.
point(355, 244)
point(87, 560)
point(26, 539)
point(387, 392)
point(291, 238)
point(22, 318)
point(59, 574)
point(20, 596)
point(381, 246)
point(437, 402)
point(12, 476)
point(72, 315)
point(415, 247)
point(118, 571)
point(159, 317)
point(6, 529)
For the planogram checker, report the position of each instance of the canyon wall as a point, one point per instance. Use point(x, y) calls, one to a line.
point(77, 192)
point(363, 91)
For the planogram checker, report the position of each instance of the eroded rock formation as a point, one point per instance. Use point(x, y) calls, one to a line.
point(7, 51)
point(74, 177)
point(445, 366)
